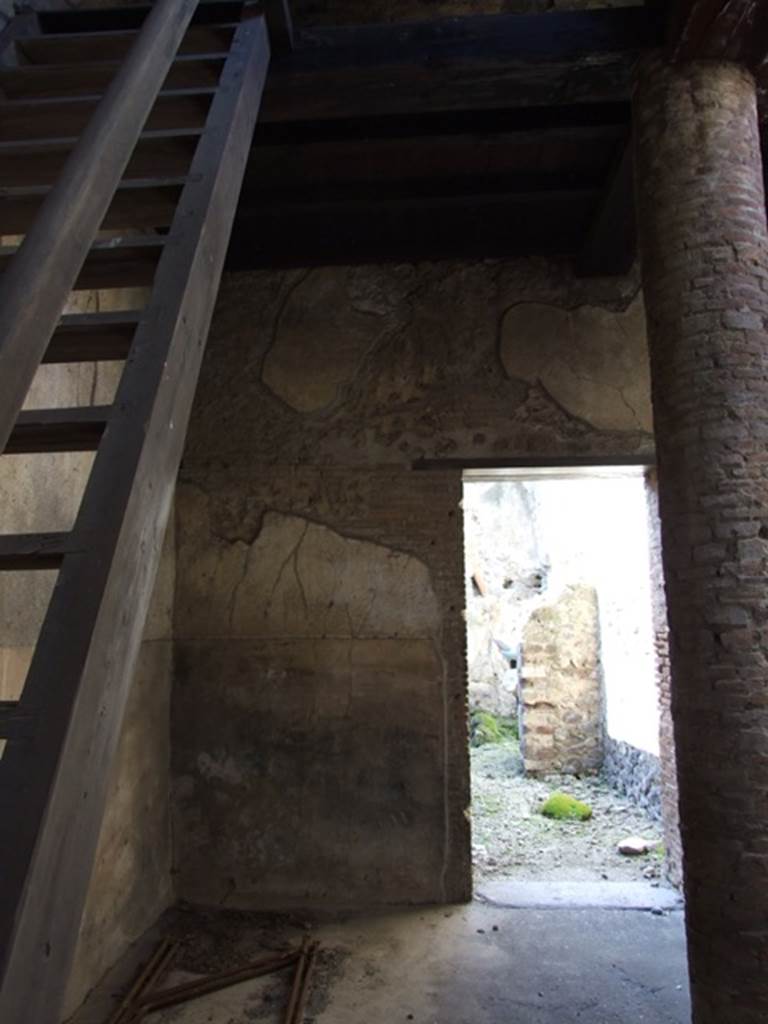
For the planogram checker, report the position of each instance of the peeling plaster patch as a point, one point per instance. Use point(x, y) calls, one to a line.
point(592, 361)
point(308, 369)
point(302, 579)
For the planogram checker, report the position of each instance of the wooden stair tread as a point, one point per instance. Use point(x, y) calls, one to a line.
point(14, 722)
point(38, 551)
point(32, 147)
point(128, 263)
point(65, 102)
point(87, 322)
point(82, 47)
point(93, 337)
point(58, 430)
point(90, 639)
point(40, 161)
point(138, 203)
point(35, 119)
point(129, 184)
point(208, 12)
point(50, 81)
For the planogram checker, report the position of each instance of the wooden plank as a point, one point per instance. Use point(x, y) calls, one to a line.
point(50, 819)
point(40, 161)
point(53, 81)
point(35, 287)
point(95, 46)
point(14, 724)
point(611, 243)
point(403, 90)
point(93, 337)
point(71, 116)
point(280, 25)
point(58, 430)
point(459, 226)
point(378, 149)
point(131, 16)
point(136, 205)
point(453, 64)
point(460, 160)
point(118, 264)
point(33, 551)
point(506, 36)
point(20, 26)
point(287, 197)
point(567, 118)
point(556, 36)
point(411, 90)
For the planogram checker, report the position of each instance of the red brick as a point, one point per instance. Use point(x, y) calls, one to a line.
point(704, 248)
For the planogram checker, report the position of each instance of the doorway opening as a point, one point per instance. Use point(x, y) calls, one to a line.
point(566, 651)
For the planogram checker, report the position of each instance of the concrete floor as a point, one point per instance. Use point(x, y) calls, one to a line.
point(475, 964)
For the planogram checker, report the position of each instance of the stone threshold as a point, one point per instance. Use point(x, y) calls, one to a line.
point(578, 895)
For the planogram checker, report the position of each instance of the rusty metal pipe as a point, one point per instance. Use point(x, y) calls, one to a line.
point(304, 989)
point(194, 989)
point(296, 986)
point(151, 972)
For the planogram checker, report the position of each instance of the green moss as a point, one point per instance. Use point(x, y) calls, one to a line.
point(565, 808)
point(485, 727)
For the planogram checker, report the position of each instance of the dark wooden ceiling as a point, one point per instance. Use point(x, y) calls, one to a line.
point(476, 136)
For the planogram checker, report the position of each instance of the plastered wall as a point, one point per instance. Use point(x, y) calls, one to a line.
point(319, 705)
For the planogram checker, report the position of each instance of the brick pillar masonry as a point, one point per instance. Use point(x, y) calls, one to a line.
point(670, 814)
point(705, 272)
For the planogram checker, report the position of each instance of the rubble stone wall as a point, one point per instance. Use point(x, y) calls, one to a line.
point(561, 692)
point(634, 772)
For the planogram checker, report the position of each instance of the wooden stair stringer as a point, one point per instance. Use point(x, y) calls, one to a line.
point(53, 783)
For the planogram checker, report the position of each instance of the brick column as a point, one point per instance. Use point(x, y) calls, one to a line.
point(670, 810)
point(704, 249)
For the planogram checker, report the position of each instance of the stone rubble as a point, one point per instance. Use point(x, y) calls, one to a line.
point(635, 846)
point(512, 839)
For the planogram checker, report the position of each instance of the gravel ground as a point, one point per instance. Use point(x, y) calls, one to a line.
point(511, 839)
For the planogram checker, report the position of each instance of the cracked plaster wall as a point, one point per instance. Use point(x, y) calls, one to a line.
point(319, 707)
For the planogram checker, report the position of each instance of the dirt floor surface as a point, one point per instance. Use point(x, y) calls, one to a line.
point(510, 838)
point(474, 964)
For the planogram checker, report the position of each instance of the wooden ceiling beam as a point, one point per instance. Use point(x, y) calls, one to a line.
point(416, 90)
point(450, 65)
point(559, 35)
point(460, 226)
point(443, 65)
point(280, 25)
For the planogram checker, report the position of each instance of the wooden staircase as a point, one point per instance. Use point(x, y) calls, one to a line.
point(143, 133)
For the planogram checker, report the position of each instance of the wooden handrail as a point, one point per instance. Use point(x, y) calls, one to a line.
point(35, 288)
